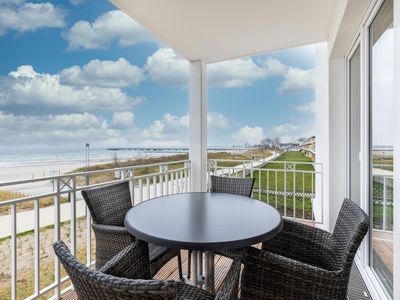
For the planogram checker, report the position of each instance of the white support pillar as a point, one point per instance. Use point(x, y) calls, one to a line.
point(337, 134)
point(198, 125)
point(321, 208)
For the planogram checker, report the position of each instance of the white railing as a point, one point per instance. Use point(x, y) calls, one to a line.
point(66, 211)
point(294, 188)
point(382, 194)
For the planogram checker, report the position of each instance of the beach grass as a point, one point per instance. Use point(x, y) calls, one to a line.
point(147, 168)
point(25, 280)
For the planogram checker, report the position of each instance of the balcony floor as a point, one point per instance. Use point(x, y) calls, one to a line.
point(357, 288)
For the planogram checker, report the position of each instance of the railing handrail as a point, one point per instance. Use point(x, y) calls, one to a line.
point(80, 188)
point(269, 161)
point(48, 178)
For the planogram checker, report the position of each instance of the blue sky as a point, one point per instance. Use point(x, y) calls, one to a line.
point(77, 71)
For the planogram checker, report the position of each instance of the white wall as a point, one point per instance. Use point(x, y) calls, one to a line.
point(322, 131)
point(337, 137)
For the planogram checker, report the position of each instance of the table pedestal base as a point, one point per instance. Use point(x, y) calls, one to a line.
point(200, 277)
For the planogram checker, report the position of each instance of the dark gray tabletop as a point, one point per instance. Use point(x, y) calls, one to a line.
point(203, 221)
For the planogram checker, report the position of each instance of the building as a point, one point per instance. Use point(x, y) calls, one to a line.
point(289, 146)
point(308, 147)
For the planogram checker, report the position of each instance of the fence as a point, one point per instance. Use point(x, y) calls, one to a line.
point(56, 206)
point(293, 188)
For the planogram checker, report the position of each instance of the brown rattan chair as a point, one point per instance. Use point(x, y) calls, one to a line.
point(127, 276)
point(108, 206)
point(304, 262)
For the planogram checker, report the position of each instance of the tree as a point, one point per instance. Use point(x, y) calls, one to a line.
point(277, 142)
point(266, 143)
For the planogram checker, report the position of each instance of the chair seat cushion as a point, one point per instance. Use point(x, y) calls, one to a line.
point(188, 292)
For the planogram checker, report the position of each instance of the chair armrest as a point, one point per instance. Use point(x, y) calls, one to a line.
point(303, 243)
point(230, 286)
point(238, 253)
point(132, 262)
point(109, 241)
point(275, 276)
point(115, 234)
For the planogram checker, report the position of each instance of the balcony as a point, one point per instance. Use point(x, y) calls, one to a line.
point(354, 114)
point(31, 224)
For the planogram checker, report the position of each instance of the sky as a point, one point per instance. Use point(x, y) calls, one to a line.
point(82, 71)
point(384, 127)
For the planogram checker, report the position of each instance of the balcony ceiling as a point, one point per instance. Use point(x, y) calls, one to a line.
point(216, 30)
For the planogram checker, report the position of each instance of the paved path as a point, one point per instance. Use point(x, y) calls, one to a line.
point(25, 220)
point(381, 172)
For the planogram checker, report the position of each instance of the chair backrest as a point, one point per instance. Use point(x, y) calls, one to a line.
point(232, 185)
point(108, 205)
point(350, 229)
point(91, 284)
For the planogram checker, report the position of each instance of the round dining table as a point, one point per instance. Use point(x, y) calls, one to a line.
point(204, 223)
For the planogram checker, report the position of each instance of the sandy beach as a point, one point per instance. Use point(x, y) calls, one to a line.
point(34, 170)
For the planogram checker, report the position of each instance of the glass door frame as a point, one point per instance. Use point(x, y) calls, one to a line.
point(361, 40)
point(355, 46)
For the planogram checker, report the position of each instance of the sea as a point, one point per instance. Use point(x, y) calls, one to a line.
point(27, 162)
point(59, 156)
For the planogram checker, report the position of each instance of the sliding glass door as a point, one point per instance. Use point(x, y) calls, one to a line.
point(382, 130)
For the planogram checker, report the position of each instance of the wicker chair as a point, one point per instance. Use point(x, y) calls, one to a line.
point(232, 185)
point(108, 206)
point(127, 276)
point(304, 262)
point(236, 186)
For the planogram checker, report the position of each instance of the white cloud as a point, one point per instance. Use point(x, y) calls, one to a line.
point(73, 129)
point(308, 107)
point(167, 127)
point(114, 25)
point(248, 134)
point(177, 125)
point(290, 132)
point(165, 66)
point(123, 119)
point(296, 80)
point(103, 73)
point(61, 130)
point(42, 91)
point(217, 120)
point(175, 129)
point(239, 72)
point(84, 120)
point(23, 17)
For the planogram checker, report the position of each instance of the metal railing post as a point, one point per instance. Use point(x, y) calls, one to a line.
point(57, 237)
point(384, 204)
point(284, 189)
